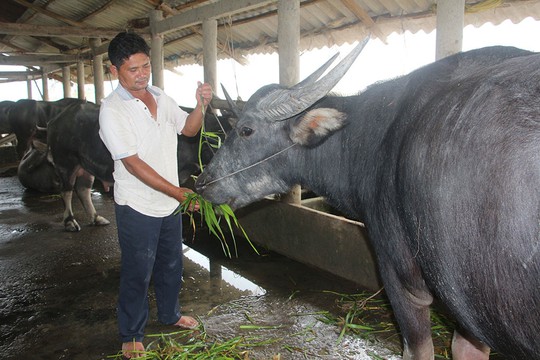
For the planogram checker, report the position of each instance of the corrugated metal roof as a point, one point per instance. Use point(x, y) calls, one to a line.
point(323, 23)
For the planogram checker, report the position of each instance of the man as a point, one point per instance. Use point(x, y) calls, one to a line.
point(139, 124)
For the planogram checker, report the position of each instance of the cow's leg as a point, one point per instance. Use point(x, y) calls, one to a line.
point(83, 187)
point(465, 347)
point(70, 224)
point(411, 308)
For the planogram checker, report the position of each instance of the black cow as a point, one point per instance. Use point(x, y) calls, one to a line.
point(35, 171)
point(442, 165)
point(79, 156)
point(23, 116)
point(5, 106)
point(192, 151)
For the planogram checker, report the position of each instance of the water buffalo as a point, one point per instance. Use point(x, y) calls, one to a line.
point(5, 106)
point(442, 165)
point(79, 156)
point(35, 171)
point(72, 155)
point(23, 116)
point(192, 153)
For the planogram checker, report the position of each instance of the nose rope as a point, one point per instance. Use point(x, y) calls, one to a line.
point(252, 165)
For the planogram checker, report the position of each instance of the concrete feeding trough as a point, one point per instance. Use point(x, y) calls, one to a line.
point(308, 233)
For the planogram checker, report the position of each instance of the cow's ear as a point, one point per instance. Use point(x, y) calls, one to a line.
point(316, 125)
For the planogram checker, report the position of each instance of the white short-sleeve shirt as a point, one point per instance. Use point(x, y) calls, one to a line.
point(127, 128)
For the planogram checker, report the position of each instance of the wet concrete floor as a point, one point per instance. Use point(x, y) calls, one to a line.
point(58, 289)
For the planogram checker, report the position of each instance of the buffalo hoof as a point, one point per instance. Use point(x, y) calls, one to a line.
point(101, 221)
point(72, 226)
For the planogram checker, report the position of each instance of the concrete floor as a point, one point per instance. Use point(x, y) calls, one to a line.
point(58, 289)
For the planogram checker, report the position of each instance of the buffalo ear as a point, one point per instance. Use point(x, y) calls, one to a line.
point(313, 127)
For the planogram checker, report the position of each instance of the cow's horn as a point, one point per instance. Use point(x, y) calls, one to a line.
point(234, 108)
point(280, 104)
point(316, 75)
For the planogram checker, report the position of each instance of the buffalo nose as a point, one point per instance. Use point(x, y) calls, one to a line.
point(200, 184)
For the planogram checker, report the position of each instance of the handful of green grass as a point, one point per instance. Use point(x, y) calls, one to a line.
point(213, 215)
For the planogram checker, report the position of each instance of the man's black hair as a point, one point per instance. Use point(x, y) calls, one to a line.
point(124, 45)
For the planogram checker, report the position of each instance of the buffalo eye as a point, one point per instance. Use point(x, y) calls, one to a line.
point(245, 131)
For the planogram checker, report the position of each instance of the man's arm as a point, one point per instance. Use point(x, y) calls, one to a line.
point(195, 118)
point(144, 172)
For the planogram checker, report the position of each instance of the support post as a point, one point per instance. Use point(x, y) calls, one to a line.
point(156, 51)
point(66, 81)
point(80, 80)
point(29, 87)
point(450, 21)
point(97, 68)
point(210, 52)
point(289, 59)
point(45, 85)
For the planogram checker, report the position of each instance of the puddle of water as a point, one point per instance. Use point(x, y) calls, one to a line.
point(219, 272)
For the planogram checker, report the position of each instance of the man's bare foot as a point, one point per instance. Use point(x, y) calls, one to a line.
point(187, 322)
point(132, 349)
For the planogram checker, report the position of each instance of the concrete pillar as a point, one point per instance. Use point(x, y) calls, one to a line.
point(45, 85)
point(289, 59)
point(289, 41)
point(209, 28)
point(66, 81)
point(156, 51)
point(29, 87)
point(450, 22)
point(97, 67)
point(80, 80)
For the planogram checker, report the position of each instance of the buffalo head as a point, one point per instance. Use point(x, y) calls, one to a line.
point(258, 158)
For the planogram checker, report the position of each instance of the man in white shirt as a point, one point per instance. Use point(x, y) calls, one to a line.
point(139, 124)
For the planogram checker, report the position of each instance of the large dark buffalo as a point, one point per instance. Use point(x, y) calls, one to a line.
point(192, 151)
point(72, 155)
point(35, 171)
point(23, 116)
point(79, 156)
point(442, 165)
point(5, 127)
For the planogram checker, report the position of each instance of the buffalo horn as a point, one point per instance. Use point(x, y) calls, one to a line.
point(232, 105)
point(316, 75)
point(280, 104)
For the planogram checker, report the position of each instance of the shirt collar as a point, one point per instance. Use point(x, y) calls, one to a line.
point(126, 95)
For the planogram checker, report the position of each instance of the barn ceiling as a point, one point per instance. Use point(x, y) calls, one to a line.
point(48, 34)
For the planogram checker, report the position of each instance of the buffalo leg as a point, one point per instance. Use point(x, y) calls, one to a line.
point(467, 348)
point(83, 187)
point(70, 224)
point(411, 307)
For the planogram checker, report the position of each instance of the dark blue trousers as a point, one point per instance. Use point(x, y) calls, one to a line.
point(151, 247)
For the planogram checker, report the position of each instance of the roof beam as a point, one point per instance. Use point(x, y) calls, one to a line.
point(209, 11)
point(30, 60)
point(54, 31)
point(364, 17)
point(100, 10)
point(48, 13)
point(196, 30)
point(19, 75)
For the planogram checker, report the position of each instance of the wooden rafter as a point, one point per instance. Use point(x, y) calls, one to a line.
point(100, 10)
point(49, 13)
point(190, 5)
point(14, 47)
point(53, 31)
point(37, 60)
point(364, 17)
point(196, 30)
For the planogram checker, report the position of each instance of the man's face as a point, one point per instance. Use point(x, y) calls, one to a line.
point(134, 73)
